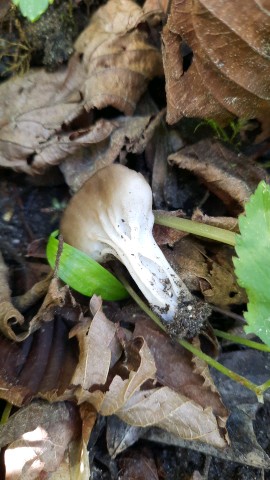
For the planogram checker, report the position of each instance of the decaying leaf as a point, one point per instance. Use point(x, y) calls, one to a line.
point(42, 364)
point(122, 393)
point(208, 270)
point(228, 223)
point(209, 77)
point(9, 315)
point(42, 438)
point(138, 464)
point(128, 135)
point(231, 177)
point(118, 57)
point(33, 109)
point(244, 447)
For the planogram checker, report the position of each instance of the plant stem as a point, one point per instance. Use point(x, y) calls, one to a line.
point(6, 413)
point(196, 228)
point(243, 341)
point(257, 389)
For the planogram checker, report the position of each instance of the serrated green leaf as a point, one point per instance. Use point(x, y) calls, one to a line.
point(82, 273)
point(32, 9)
point(252, 266)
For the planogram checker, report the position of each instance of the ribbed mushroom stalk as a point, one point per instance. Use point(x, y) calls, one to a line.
point(112, 215)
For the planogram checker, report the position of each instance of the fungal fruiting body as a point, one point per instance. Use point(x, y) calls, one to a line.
point(112, 215)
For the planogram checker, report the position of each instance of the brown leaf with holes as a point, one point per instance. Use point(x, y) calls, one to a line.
point(231, 176)
point(223, 69)
point(44, 439)
point(118, 57)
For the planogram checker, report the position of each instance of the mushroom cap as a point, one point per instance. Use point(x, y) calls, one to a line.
point(113, 200)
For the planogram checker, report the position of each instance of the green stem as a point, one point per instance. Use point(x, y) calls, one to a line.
point(6, 413)
point(243, 341)
point(257, 389)
point(196, 228)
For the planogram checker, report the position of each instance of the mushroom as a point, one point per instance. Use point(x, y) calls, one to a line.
point(112, 215)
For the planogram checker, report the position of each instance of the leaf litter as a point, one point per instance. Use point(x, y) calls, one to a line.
point(75, 356)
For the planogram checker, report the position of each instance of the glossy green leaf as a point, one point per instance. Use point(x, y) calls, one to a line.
point(252, 266)
point(82, 273)
point(32, 9)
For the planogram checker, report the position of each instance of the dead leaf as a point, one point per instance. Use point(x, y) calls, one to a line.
point(178, 369)
point(218, 76)
point(207, 269)
point(34, 108)
point(228, 223)
point(138, 464)
point(120, 435)
point(9, 315)
point(118, 57)
point(165, 235)
point(40, 436)
point(42, 364)
point(232, 177)
point(124, 394)
point(156, 6)
point(91, 372)
point(244, 448)
point(128, 135)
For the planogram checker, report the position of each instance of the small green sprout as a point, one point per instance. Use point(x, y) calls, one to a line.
point(32, 9)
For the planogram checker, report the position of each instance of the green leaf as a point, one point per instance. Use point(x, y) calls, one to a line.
point(32, 9)
point(252, 266)
point(82, 273)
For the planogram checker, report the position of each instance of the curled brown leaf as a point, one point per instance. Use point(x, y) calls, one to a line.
point(231, 176)
point(118, 57)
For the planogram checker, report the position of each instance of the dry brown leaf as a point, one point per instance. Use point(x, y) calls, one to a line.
point(165, 235)
point(208, 270)
point(227, 223)
point(121, 392)
point(156, 6)
point(33, 110)
point(225, 78)
point(43, 364)
point(175, 367)
point(138, 464)
point(128, 135)
point(118, 57)
point(171, 411)
point(94, 342)
point(40, 437)
point(9, 315)
point(232, 177)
